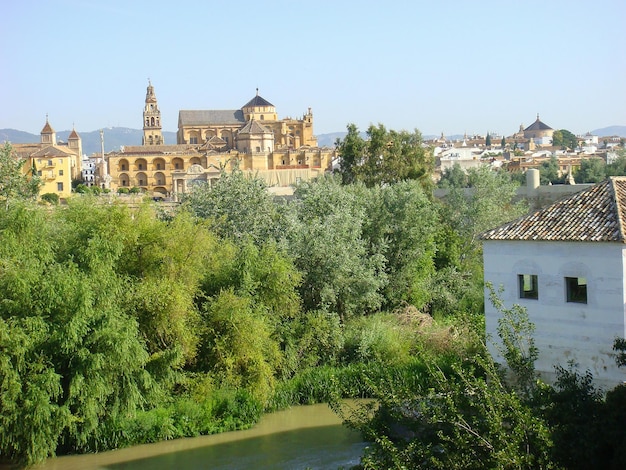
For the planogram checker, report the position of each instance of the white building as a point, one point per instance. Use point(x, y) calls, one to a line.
point(566, 264)
point(88, 169)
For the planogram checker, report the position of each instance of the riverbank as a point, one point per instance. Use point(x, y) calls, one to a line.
point(289, 422)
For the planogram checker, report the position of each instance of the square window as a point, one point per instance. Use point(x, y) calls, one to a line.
point(528, 286)
point(576, 289)
point(60, 172)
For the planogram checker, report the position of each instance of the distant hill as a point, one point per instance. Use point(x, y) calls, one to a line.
point(611, 130)
point(114, 138)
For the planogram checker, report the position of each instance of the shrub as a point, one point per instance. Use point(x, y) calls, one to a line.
point(135, 190)
point(379, 338)
point(81, 189)
point(51, 198)
point(122, 190)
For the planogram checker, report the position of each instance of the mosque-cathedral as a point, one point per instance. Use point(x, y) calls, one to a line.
point(252, 138)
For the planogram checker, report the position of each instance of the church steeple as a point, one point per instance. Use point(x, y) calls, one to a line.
point(48, 135)
point(152, 134)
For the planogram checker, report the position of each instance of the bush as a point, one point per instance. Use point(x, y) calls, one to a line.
point(135, 190)
point(122, 190)
point(379, 338)
point(51, 198)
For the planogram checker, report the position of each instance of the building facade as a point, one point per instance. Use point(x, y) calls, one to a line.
point(56, 163)
point(252, 139)
point(566, 265)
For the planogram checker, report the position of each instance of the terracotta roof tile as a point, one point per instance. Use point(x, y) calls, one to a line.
point(595, 214)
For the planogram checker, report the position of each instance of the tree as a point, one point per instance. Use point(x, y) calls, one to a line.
point(564, 139)
point(237, 207)
point(351, 149)
point(503, 143)
point(400, 225)
point(338, 275)
point(592, 170)
point(385, 157)
point(488, 141)
point(453, 177)
point(549, 172)
point(14, 183)
point(489, 202)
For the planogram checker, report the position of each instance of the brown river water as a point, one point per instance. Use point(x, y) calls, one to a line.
point(301, 437)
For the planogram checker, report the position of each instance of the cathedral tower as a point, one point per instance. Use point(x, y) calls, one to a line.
point(151, 119)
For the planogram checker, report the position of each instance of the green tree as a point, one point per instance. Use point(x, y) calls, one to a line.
point(503, 142)
point(14, 183)
point(400, 226)
point(453, 177)
point(592, 170)
point(564, 139)
point(237, 346)
point(338, 275)
point(85, 360)
point(385, 157)
point(488, 141)
point(351, 149)
point(549, 172)
point(490, 201)
point(238, 207)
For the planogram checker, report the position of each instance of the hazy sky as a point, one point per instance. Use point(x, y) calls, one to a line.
point(439, 66)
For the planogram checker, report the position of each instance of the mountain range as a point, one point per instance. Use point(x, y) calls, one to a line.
point(115, 137)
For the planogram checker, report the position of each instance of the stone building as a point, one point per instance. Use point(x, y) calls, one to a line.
point(539, 133)
point(221, 129)
point(252, 139)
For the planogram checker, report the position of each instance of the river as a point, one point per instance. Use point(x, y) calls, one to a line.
point(298, 438)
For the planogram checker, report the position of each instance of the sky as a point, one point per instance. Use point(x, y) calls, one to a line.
point(449, 67)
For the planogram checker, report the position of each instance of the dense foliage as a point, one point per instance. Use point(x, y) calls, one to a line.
point(121, 326)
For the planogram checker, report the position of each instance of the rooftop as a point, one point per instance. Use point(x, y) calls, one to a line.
point(595, 214)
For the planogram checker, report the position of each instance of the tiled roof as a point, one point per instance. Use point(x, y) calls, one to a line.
point(52, 151)
point(595, 214)
point(254, 127)
point(47, 129)
point(538, 126)
point(159, 149)
point(211, 116)
point(73, 135)
point(257, 101)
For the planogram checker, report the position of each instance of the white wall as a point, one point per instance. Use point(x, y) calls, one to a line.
point(582, 333)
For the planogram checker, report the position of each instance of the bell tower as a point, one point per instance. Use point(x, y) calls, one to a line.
point(151, 119)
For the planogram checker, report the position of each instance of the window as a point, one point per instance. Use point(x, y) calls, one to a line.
point(59, 187)
point(60, 172)
point(193, 140)
point(576, 289)
point(528, 286)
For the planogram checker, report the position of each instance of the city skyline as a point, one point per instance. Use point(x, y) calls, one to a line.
point(453, 67)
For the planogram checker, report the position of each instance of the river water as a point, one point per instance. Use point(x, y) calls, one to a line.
point(298, 438)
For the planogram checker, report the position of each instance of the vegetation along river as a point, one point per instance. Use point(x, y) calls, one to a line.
point(298, 438)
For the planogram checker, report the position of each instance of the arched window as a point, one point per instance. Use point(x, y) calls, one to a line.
point(152, 121)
